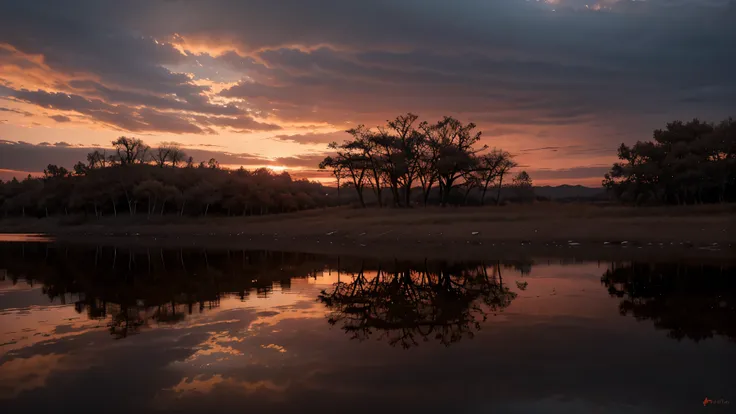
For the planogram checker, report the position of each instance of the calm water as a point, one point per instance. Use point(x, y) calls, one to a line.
point(113, 330)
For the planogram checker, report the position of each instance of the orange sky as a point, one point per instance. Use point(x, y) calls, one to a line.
point(559, 84)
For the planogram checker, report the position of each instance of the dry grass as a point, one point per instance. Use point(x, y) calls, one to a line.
point(538, 222)
point(544, 229)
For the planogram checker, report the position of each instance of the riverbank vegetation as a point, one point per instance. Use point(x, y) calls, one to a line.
point(406, 155)
point(686, 163)
point(135, 179)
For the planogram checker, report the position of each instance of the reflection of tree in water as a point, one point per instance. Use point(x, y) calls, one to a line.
point(411, 304)
point(133, 288)
point(694, 302)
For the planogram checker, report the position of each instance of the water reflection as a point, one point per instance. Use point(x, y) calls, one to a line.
point(693, 302)
point(135, 288)
point(403, 304)
point(408, 304)
point(272, 332)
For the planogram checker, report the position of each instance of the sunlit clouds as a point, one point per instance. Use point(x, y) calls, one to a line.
point(283, 80)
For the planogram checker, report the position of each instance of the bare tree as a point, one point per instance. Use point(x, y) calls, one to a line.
point(506, 165)
point(130, 150)
point(490, 167)
point(523, 186)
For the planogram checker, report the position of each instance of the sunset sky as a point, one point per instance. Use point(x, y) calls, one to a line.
point(559, 83)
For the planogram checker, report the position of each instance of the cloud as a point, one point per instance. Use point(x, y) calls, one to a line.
point(610, 72)
point(24, 156)
point(193, 104)
point(242, 123)
point(24, 113)
point(301, 161)
point(60, 118)
point(595, 171)
point(8, 175)
point(315, 137)
point(120, 116)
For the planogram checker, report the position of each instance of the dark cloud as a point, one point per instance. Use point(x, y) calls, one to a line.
point(60, 118)
point(193, 104)
point(242, 123)
point(137, 119)
point(24, 113)
point(596, 171)
point(304, 161)
point(554, 148)
point(8, 175)
point(315, 137)
point(508, 65)
point(74, 41)
point(24, 156)
point(120, 116)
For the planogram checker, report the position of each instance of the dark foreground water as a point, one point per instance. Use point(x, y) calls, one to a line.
point(108, 330)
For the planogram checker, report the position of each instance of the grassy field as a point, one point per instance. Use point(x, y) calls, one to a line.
point(455, 232)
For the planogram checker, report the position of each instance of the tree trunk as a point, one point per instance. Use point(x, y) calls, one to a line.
point(498, 194)
point(181, 212)
point(441, 188)
point(47, 211)
point(163, 205)
point(395, 193)
point(130, 203)
point(206, 208)
point(448, 189)
point(483, 196)
point(467, 194)
point(426, 191)
point(114, 208)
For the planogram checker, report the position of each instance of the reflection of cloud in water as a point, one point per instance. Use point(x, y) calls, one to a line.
point(47, 324)
point(216, 345)
point(205, 384)
point(25, 374)
point(557, 334)
point(274, 346)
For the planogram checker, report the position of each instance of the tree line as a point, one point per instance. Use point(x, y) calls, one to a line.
point(686, 163)
point(406, 154)
point(135, 179)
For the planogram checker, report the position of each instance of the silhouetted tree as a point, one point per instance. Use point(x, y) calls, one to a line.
point(404, 152)
point(687, 163)
point(130, 150)
point(523, 187)
point(54, 171)
point(100, 187)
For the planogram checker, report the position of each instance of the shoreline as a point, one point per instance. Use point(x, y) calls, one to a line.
point(569, 231)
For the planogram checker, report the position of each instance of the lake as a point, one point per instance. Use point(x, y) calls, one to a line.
point(105, 329)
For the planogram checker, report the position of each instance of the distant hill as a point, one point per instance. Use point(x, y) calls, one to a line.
point(568, 192)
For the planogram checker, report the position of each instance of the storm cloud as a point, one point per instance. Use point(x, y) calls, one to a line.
point(572, 74)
